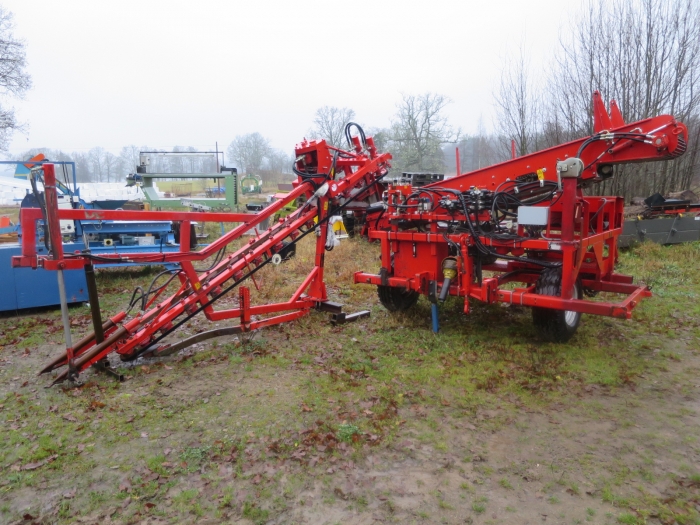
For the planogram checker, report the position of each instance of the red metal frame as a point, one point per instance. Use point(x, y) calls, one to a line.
point(580, 235)
point(651, 139)
point(350, 176)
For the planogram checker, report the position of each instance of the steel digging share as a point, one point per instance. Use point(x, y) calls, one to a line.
point(519, 232)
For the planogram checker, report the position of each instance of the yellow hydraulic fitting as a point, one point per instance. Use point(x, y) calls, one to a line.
point(449, 272)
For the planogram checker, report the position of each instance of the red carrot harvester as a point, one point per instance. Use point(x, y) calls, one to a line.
point(525, 221)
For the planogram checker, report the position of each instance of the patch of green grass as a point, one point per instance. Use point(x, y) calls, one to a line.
point(628, 519)
point(255, 513)
point(186, 500)
point(444, 505)
point(503, 482)
point(347, 431)
point(192, 455)
point(478, 507)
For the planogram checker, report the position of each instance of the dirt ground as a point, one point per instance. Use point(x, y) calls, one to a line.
point(562, 463)
point(288, 430)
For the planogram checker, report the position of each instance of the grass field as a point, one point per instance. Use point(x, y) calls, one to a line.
point(379, 421)
point(10, 211)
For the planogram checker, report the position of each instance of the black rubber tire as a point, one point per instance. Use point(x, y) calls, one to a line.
point(397, 299)
point(555, 325)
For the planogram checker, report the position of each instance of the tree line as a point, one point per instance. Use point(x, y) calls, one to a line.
point(642, 53)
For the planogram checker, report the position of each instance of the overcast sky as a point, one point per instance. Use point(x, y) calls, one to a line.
point(165, 73)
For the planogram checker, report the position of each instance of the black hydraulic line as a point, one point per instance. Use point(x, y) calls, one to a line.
point(217, 259)
point(135, 299)
point(360, 132)
point(249, 274)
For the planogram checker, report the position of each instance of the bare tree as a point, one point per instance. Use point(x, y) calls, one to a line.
point(82, 167)
point(517, 103)
point(277, 166)
point(477, 151)
point(249, 151)
point(644, 55)
point(14, 80)
point(175, 162)
point(130, 157)
point(113, 166)
point(329, 124)
point(381, 136)
point(418, 131)
point(96, 160)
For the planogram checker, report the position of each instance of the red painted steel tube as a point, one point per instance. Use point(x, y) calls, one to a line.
point(85, 343)
point(132, 215)
point(197, 290)
point(620, 310)
point(234, 313)
point(251, 220)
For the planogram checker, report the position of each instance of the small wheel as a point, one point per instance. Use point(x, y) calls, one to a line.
point(397, 299)
point(276, 259)
point(555, 325)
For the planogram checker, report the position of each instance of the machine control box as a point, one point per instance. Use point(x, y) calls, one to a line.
point(533, 215)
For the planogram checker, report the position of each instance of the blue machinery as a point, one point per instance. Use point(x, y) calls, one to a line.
point(28, 288)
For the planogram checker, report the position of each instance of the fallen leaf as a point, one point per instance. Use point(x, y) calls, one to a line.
point(33, 466)
point(70, 417)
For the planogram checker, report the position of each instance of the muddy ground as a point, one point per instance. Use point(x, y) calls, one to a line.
point(429, 429)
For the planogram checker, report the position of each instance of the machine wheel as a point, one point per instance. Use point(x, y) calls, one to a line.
point(397, 299)
point(555, 325)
